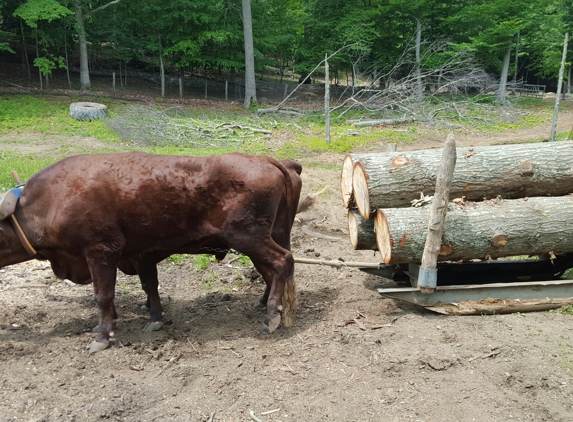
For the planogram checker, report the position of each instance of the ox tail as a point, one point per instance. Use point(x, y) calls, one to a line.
point(289, 301)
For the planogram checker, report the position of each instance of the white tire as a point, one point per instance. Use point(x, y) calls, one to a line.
point(88, 111)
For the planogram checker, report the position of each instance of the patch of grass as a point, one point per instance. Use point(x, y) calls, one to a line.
point(245, 261)
point(178, 258)
point(344, 139)
point(25, 166)
point(202, 261)
point(49, 116)
point(568, 274)
point(567, 309)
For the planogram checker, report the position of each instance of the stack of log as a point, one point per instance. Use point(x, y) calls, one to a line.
point(505, 200)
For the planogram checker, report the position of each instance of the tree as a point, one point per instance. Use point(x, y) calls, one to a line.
point(32, 12)
point(81, 16)
point(250, 84)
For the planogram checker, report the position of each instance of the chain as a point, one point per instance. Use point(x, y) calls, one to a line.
point(227, 251)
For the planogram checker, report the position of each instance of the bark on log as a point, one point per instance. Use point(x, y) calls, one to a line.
point(390, 180)
point(479, 230)
point(361, 232)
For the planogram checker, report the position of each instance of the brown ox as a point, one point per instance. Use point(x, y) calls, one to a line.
point(91, 214)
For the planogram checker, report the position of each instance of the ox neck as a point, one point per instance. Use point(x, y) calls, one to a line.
point(22, 237)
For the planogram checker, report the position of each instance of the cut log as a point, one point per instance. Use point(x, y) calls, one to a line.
point(479, 230)
point(391, 180)
point(346, 182)
point(361, 232)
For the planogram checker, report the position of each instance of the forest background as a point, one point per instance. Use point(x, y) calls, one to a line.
point(376, 41)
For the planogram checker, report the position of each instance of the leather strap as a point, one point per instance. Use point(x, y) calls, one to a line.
point(22, 236)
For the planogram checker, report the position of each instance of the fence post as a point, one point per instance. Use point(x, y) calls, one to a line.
point(226, 90)
point(286, 91)
point(113, 84)
point(205, 88)
point(180, 88)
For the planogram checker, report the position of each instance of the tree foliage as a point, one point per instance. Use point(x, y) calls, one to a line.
point(207, 36)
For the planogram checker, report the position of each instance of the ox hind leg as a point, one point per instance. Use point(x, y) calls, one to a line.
point(145, 266)
point(276, 265)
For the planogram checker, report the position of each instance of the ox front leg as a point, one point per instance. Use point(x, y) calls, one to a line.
point(147, 271)
point(103, 278)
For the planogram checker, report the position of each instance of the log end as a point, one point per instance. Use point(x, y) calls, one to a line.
point(360, 189)
point(346, 182)
point(383, 238)
point(353, 229)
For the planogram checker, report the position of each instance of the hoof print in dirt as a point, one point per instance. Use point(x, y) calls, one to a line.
point(88, 111)
point(153, 326)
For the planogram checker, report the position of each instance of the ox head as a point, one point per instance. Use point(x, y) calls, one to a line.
point(11, 249)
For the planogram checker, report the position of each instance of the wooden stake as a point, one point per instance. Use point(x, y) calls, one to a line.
point(428, 276)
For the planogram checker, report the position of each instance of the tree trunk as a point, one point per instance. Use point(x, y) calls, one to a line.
point(482, 230)
point(25, 61)
point(250, 84)
point(326, 100)
point(38, 56)
point(503, 80)
point(388, 180)
point(67, 61)
point(361, 232)
point(558, 94)
point(162, 75)
point(419, 86)
point(85, 84)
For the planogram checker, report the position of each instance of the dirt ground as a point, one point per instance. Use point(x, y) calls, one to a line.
point(352, 355)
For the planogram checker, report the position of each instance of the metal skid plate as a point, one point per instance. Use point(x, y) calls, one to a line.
point(489, 298)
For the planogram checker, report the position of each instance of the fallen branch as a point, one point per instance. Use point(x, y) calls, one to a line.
point(253, 417)
point(388, 122)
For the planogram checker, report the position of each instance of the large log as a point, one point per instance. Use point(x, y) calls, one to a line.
point(390, 180)
point(479, 230)
point(361, 232)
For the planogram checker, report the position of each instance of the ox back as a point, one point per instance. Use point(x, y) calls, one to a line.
point(90, 214)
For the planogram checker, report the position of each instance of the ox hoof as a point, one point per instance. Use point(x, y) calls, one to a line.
point(153, 326)
point(259, 305)
point(272, 325)
point(97, 346)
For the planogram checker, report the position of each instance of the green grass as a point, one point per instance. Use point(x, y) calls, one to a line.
point(202, 261)
point(27, 113)
point(25, 166)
